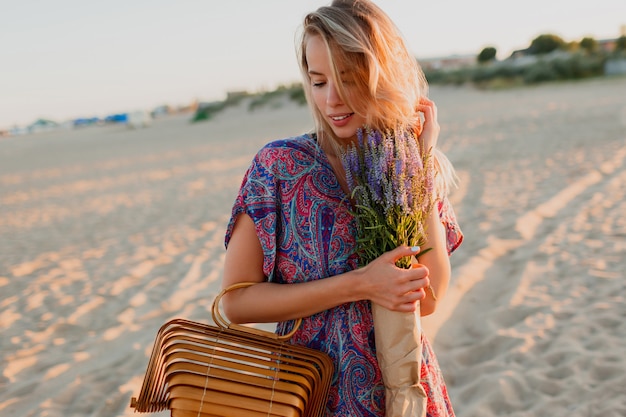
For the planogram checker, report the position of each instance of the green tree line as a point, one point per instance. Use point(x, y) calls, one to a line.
point(551, 59)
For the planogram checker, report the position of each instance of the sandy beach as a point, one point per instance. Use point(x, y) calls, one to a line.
point(106, 233)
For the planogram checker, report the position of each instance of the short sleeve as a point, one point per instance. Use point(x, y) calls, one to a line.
point(454, 235)
point(257, 198)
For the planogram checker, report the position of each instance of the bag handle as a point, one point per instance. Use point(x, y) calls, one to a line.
point(225, 324)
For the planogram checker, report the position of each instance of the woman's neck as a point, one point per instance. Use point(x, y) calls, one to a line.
point(332, 154)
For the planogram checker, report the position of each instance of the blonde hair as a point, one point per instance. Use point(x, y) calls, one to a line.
point(389, 82)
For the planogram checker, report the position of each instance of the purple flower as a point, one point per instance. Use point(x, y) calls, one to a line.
point(391, 182)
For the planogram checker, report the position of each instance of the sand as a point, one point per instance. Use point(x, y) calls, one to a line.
point(106, 233)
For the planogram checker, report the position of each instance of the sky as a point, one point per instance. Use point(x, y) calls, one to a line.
point(63, 59)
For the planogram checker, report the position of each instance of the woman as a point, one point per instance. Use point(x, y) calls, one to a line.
point(292, 230)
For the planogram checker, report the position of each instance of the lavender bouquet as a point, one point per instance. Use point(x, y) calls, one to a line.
point(391, 182)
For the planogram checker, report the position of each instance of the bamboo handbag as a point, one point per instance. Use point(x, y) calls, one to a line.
point(200, 370)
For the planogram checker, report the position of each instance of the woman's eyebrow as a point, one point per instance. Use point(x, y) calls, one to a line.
point(313, 72)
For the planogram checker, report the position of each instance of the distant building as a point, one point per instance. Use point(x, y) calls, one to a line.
point(518, 53)
point(607, 45)
point(160, 111)
point(522, 57)
point(42, 125)
point(86, 121)
point(235, 95)
point(446, 63)
point(615, 66)
point(138, 119)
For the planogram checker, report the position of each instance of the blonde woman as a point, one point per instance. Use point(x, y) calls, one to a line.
point(292, 230)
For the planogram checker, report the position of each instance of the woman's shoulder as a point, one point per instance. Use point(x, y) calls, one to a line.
point(305, 141)
point(299, 147)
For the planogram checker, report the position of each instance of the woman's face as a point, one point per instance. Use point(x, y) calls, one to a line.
point(338, 114)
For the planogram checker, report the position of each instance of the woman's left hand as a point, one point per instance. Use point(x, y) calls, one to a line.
point(430, 129)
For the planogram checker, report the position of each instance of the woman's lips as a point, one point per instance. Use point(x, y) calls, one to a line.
point(340, 120)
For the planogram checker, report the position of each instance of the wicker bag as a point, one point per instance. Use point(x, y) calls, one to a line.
point(228, 370)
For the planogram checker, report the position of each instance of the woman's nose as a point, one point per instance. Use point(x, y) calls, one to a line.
point(332, 98)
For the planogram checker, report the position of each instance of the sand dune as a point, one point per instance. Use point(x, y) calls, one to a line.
point(106, 233)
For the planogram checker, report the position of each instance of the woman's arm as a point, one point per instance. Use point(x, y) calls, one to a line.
point(380, 281)
point(437, 261)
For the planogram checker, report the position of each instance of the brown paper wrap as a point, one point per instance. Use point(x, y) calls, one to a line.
point(399, 353)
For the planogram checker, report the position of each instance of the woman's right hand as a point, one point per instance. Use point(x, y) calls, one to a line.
point(430, 129)
point(381, 282)
point(394, 288)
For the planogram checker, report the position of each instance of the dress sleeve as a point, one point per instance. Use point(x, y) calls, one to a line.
point(454, 235)
point(257, 198)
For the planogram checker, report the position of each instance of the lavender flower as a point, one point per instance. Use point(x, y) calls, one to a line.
point(391, 184)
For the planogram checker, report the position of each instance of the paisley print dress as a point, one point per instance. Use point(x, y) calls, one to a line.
point(307, 232)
